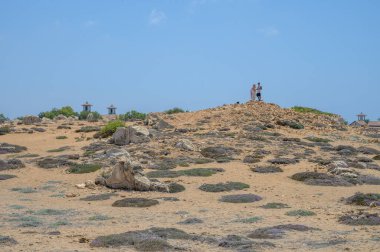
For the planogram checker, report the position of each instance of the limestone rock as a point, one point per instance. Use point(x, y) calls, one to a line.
point(185, 144)
point(126, 176)
point(30, 119)
point(132, 134)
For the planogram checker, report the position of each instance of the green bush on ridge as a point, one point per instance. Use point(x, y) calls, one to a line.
point(109, 129)
point(174, 111)
point(132, 115)
point(310, 110)
point(66, 111)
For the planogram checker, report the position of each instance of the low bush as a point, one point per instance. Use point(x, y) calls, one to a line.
point(109, 129)
point(66, 111)
point(3, 118)
point(300, 213)
point(174, 111)
point(94, 117)
point(83, 168)
point(4, 130)
point(61, 137)
point(310, 110)
point(88, 129)
point(132, 115)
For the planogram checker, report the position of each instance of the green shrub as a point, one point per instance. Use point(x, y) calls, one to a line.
point(109, 129)
point(300, 213)
point(88, 129)
point(4, 130)
point(95, 116)
point(310, 110)
point(132, 115)
point(318, 139)
point(3, 118)
point(83, 168)
point(174, 111)
point(66, 111)
point(61, 137)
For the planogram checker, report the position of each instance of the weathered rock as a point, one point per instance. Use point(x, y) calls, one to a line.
point(368, 150)
point(30, 119)
point(266, 169)
point(126, 176)
point(132, 134)
point(53, 162)
point(240, 198)
point(361, 199)
point(10, 164)
point(6, 148)
point(60, 117)
point(185, 144)
point(7, 176)
point(243, 244)
point(161, 125)
point(135, 202)
point(219, 152)
point(360, 219)
point(277, 232)
point(7, 241)
point(283, 161)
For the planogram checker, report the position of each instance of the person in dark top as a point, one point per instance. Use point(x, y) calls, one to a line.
point(259, 89)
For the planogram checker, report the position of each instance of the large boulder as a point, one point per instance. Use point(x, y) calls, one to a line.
point(132, 134)
point(155, 120)
point(185, 144)
point(30, 119)
point(127, 176)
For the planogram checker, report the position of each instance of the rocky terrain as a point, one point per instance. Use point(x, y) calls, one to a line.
point(244, 177)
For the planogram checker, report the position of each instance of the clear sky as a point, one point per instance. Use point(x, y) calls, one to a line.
point(195, 54)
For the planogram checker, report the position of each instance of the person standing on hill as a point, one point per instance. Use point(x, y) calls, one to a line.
point(253, 92)
point(259, 89)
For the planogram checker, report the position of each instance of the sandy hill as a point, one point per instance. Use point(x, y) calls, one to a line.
point(243, 177)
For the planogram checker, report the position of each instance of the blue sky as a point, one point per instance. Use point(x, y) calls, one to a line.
point(154, 55)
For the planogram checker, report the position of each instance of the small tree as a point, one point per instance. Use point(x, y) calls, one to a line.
point(109, 129)
point(132, 115)
point(95, 115)
point(66, 111)
point(3, 118)
point(174, 111)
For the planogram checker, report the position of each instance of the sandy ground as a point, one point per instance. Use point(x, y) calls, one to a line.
point(220, 219)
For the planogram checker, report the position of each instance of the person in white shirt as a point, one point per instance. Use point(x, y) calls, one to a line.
point(253, 92)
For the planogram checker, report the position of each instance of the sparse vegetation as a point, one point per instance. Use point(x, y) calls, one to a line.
point(310, 110)
point(3, 118)
point(132, 115)
point(66, 111)
point(249, 220)
point(5, 130)
point(275, 205)
point(84, 115)
point(83, 168)
point(59, 149)
point(223, 187)
point(135, 202)
point(290, 124)
point(176, 188)
point(88, 129)
point(99, 217)
point(24, 189)
point(240, 198)
point(174, 111)
point(109, 129)
point(361, 199)
point(61, 137)
point(318, 139)
point(300, 213)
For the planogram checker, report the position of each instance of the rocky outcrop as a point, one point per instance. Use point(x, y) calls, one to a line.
point(31, 119)
point(132, 134)
point(126, 176)
point(185, 144)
